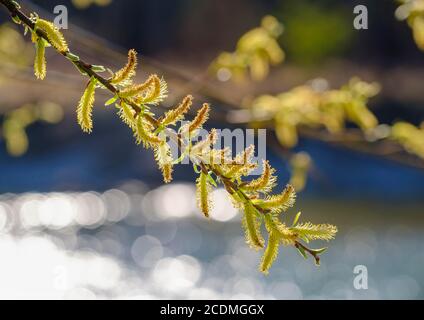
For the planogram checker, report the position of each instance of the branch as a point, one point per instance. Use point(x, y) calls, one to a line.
point(267, 208)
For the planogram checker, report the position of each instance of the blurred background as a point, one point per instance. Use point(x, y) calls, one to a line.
point(88, 216)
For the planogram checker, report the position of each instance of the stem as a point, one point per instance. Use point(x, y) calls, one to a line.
point(310, 251)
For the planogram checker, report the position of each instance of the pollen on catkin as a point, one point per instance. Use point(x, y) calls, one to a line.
point(124, 76)
point(85, 107)
point(144, 134)
point(40, 59)
point(203, 189)
point(200, 119)
point(138, 89)
point(252, 227)
point(56, 38)
point(281, 202)
point(271, 253)
point(164, 159)
point(265, 183)
point(157, 92)
point(173, 116)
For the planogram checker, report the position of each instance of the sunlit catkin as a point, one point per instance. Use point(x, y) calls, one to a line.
point(56, 38)
point(252, 227)
point(177, 114)
point(40, 59)
point(85, 107)
point(124, 75)
point(200, 119)
point(203, 189)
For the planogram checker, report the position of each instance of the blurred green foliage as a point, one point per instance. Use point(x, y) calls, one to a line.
point(16, 122)
point(300, 165)
point(15, 54)
point(315, 106)
point(315, 31)
point(413, 12)
point(256, 51)
point(83, 4)
point(410, 137)
point(14, 50)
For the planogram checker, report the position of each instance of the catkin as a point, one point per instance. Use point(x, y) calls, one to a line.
point(40, 59)
point(56, 38)
point(85, 107)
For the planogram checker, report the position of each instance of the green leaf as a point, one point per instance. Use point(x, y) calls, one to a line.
point(196, 169)
point(72, 57)
point(97, 68)
point(301, 236)
point(111, 100)
point(319, 251)
point(16, 19)
point(296, 219)
point(82, 71)
point(181, 158)
point(302, 252)
point(212, 181)
point(16, 4)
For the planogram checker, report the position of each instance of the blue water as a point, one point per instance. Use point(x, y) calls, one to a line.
point(61, 157)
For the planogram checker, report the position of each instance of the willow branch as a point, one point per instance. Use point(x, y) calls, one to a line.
point(231, 186)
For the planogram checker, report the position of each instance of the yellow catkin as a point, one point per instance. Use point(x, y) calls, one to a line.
point(252, 227)
point(280, 202)
point(287, 236)
point(85, 107)
point(312, 232)
point(56, 38)
point(167, 172)
point(265, 183)
point(40, 59)
point(124, 75)
point(271, 253)
point(157, 93)
point(245, 157)
point(200, 119)
point(221, 156)
point(177, 114)
point(203, 189)
point(242, 164)
point(164, 159)
point(137, 89)
point(203, 147)
point(126, 113)
point(144, 135)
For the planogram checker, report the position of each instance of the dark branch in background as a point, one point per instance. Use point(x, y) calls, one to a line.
point(352, 139)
